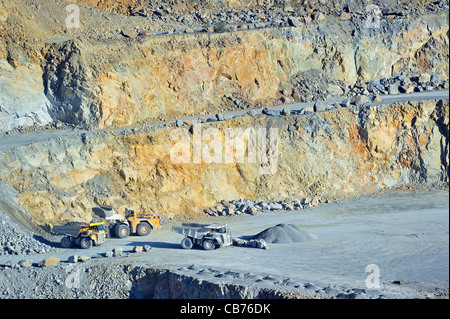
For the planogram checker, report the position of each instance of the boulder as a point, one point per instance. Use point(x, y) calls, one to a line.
point(320, 106)
point(275, 206)
point(252, 210)
point(293, 22)
point(129, 33)
point(49, 262)
point(315, 201)
point(406, 88)
point(73, 259)
point(435, 79)
point(335, 90)
point(138, 249)
point(270, 112)
point(307, 109)
point(345, 16)
point(83, 258)
point(424, 78)
point(376, 98)
point(25, 263)
point(210, 211)
point(117, 251)
point(288, 8)
point(297, 204)
point(359, 100)
point(375, 84)
point(319, 16)
point(393, 89)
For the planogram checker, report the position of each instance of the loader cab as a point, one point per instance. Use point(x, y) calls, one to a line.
point(130, 212)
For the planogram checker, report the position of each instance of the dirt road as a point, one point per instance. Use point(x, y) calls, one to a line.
point(7, 142)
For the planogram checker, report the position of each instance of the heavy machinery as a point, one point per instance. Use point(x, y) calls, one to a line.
point(130, 222)
point(208, 236)
point(84, 235)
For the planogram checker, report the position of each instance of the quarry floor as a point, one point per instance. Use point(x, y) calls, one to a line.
point(403, 235)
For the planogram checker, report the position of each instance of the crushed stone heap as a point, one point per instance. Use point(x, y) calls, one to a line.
point(15, 241)
point(283, 234)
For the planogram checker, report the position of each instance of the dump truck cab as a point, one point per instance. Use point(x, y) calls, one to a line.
point(84, 235)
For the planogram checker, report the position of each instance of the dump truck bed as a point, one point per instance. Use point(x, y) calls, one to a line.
point(194, 232)
point(68, 230)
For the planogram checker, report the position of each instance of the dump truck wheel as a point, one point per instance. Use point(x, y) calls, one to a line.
point(208, 245)
point(66, 242)
point(186, 243)
point(122, 231)
point(85, 243)
point(143, 229)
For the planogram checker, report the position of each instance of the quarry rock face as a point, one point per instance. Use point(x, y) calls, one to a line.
point(101, 81)
point(22, 102)
point(336, 153)
point(190, 75)
point(115, 83)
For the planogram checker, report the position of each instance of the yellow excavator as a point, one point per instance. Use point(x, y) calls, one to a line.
point(131, 222)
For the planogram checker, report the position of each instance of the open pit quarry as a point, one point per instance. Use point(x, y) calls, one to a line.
point(329, 116)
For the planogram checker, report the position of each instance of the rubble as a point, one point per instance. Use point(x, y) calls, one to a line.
point(253, 207)
point(15, 239)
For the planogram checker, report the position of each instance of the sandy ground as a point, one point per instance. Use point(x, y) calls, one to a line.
point(405, 234)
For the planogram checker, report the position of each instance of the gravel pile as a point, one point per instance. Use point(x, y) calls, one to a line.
point(283, 234)
point(65, 282)
point(15, 241)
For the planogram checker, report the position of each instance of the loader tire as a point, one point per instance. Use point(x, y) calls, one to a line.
point(143, 229)
point(122, 231)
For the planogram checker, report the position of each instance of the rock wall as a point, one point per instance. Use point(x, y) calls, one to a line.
point(340, 153)
point(166, 284)
point(120, 82)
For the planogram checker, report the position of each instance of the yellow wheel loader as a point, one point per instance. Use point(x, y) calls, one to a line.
point(131, 222)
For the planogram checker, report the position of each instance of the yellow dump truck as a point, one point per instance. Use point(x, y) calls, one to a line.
point(84, 235)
